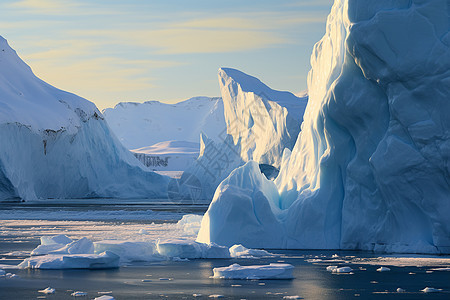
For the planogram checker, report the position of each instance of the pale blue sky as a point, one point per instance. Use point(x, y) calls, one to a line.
point(111, 51)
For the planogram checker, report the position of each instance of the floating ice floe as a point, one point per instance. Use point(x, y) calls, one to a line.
point(6, 275)
point(342, 270)
point(440, 269)
point(400, 290)
point(78, 294)
point(331, 268)
point(431, 290)
point(184, 248)
point(271, 271)
point(383, 269)
point(104, 297)
point(239, 251)
point(83, 253)
point(104, 260)
point(47, 290)
point(292, 297)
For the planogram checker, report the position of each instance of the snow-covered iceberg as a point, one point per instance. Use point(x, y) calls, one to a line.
point(54, 144)
point(370, 168)
point(260, 124)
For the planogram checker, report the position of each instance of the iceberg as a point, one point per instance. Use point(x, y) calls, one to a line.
point(55, 144)
point(260, 124)
point(369, 169)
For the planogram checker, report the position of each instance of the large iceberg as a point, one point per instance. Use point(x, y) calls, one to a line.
point(55, 144)
point(370, 168)
point(260, 124)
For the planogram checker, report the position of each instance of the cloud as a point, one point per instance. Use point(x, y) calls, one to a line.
point(45, 6)
point(188, 40)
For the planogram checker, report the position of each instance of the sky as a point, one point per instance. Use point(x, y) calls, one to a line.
point(111, 51)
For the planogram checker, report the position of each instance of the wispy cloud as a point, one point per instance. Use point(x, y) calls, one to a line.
point(46, 6)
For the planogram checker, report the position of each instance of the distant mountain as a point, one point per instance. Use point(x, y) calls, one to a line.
point(140, 125)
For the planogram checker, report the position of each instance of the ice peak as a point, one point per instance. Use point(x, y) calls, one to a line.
point(252, 84)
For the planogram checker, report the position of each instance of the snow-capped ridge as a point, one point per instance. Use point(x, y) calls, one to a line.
point(56, 144)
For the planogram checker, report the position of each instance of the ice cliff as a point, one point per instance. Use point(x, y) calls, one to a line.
point(54, 144)
point(260, 124)
point(370, 168)
point(261, 120)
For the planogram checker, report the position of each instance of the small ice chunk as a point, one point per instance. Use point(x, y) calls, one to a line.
point(216, 296)
point(56, 239)
point(176, 258)
point(292, 297)
point(383, 269)
point(331, 268)
point(241, 251)
point(8, 275)
point(104, 297)
point(400, 290)
point(342, 270)
point(440, 269)
point(431, 290)
point(78, 294)
point(334, 256)
point(271, 271)
point(197, 295)
point(48, 290)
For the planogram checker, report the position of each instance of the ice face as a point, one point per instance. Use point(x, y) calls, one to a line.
point(263, 121)
point(55, 144)
point(369, 169)
point(260, 124)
